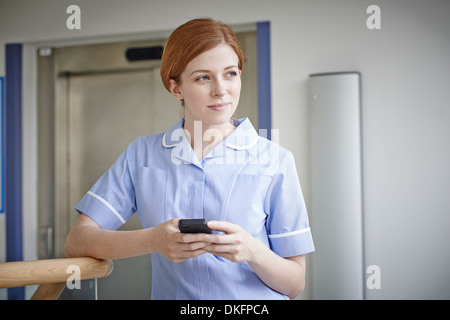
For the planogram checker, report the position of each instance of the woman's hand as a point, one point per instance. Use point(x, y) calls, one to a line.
point(236, 244)
point(177, 246)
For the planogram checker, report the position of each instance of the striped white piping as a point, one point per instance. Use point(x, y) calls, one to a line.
point(287, 234)
point(106, 203)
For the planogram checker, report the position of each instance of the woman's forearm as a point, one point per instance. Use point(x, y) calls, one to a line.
point(92, 241)
point(86, 238)
point(285, 275)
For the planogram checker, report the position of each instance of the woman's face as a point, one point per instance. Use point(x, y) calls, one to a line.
point(210, 86)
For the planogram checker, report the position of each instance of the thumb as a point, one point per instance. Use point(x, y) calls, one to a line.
point(223, 226)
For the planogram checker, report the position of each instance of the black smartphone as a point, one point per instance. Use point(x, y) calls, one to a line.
point(194, 226)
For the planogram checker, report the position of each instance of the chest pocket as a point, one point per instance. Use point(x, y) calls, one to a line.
point(151, 195)
point(246, 204)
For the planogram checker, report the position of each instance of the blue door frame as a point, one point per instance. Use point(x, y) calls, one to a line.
point(13, 159)
point(264, 77)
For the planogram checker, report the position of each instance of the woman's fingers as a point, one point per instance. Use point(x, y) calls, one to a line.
point(234, 243)
point(224, 226)
point(177, 246)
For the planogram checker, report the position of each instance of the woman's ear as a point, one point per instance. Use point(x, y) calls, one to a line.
point(174, 88)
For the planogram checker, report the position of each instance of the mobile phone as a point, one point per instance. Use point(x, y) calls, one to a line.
point(194, 226)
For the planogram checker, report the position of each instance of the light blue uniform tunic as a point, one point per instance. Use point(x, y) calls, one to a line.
point(246, 179)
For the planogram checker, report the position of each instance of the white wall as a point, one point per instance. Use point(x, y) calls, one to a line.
point(406, 113)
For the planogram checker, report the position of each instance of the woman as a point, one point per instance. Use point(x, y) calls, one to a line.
point(209, 166)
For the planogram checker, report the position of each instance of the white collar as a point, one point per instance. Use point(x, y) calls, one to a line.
point(242, 138)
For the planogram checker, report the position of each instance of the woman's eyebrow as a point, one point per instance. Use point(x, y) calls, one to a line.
point(207, 71)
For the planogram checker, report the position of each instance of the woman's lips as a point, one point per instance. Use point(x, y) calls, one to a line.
point(219, 106)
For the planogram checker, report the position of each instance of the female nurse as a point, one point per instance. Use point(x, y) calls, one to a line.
point(209, 166)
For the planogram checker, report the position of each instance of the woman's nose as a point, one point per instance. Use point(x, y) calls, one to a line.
point(219, 89)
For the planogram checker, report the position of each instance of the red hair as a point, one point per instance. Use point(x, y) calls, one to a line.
point(191, 39)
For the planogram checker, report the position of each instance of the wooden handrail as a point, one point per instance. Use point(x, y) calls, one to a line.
point(51, 274)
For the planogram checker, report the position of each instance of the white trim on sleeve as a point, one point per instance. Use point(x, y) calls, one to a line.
point(287, 234)
point(106, 203)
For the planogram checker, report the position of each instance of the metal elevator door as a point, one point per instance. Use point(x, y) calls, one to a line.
point(107, 111)
point(92, 103)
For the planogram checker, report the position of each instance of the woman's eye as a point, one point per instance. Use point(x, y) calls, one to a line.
point(202, 78)
point(231, 74)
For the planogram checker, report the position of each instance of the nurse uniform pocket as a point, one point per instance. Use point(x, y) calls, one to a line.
point(246, 202)
point(151, 195)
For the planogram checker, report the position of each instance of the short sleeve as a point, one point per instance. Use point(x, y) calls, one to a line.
point(287, 223)
point(111, 201)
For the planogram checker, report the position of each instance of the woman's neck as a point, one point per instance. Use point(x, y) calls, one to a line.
point(203, 137)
